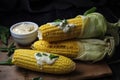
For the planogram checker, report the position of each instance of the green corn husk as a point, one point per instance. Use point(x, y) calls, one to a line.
point(96, 26)
point(95, 49)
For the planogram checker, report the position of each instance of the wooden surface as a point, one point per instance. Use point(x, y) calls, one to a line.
point(83, 71)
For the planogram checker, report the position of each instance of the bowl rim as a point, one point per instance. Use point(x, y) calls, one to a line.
point(29, 22)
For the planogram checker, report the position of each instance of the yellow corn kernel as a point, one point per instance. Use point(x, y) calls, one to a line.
point(25, 58)
point(67, 48)
point(52, 33)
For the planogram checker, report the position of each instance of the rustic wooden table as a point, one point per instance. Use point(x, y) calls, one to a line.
point(83, 71)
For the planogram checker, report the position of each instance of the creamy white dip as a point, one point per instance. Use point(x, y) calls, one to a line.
point(23, 28)
point(63, 25)
point(47, 58)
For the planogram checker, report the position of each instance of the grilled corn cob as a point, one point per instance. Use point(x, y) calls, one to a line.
point(35, 60)
point(61, 30)
point(84, 49)
point(67, 48)
point(89, 25)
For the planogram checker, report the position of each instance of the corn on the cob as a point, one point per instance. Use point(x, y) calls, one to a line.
point(26, 58)
point(84, 49)
point(67, 48)
point(51, 33)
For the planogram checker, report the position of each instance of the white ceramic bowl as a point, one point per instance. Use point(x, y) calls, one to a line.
point(24, 38)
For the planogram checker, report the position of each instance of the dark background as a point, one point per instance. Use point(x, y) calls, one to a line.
point(42, 11)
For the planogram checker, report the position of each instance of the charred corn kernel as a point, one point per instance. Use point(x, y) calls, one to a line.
point(40, 61)
point(61, 30)
point(67, 48)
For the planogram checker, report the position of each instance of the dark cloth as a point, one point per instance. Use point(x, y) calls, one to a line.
point(42, 11)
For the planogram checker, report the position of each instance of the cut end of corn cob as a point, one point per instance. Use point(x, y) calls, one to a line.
point(71, 28)
point(66, 48)
point(26, 59)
